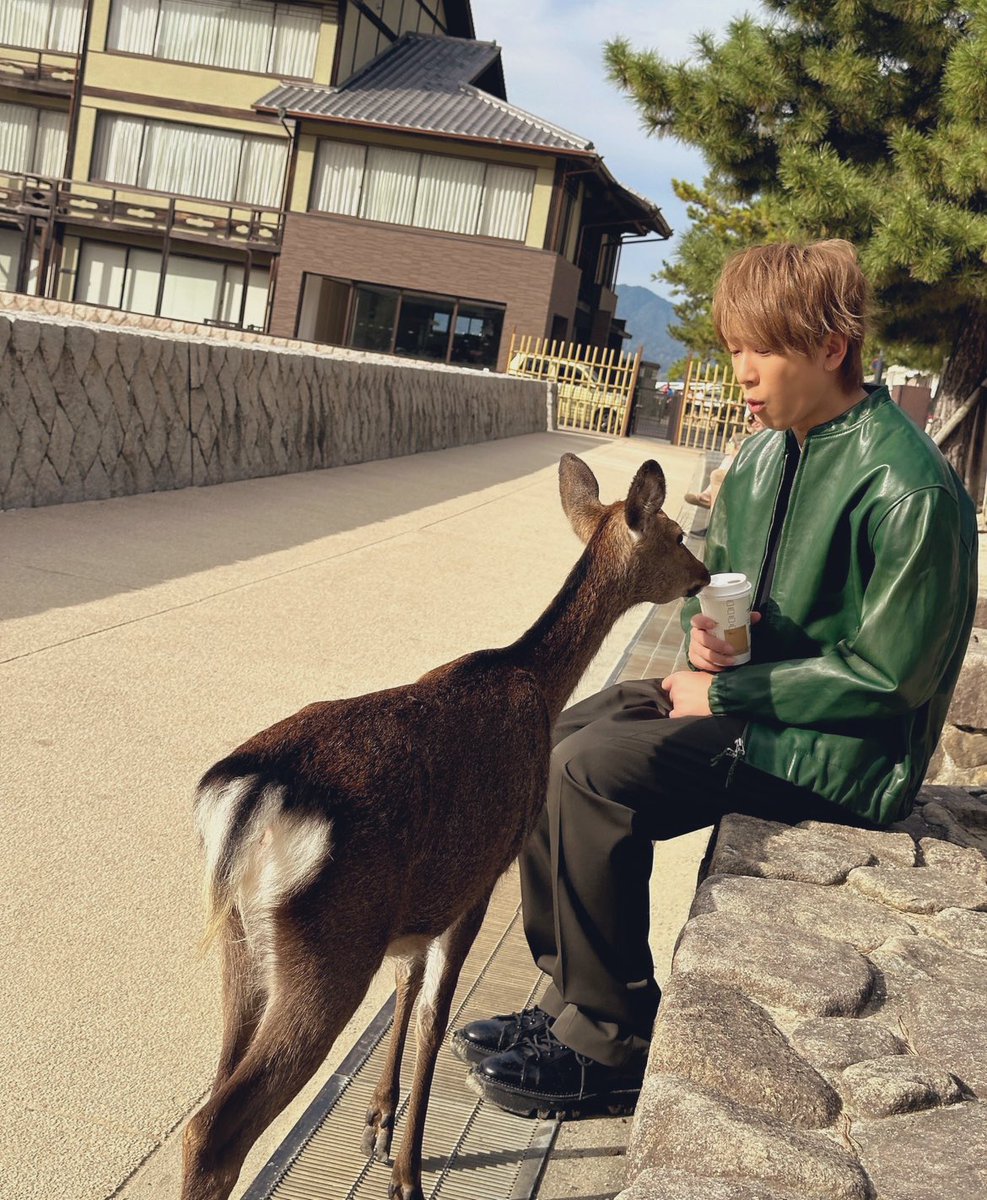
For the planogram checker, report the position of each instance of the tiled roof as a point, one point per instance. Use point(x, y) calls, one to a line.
point(426, 84)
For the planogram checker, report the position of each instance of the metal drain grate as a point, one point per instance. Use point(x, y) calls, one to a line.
point(472, 1150)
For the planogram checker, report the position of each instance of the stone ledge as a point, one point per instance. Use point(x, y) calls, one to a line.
point(824, 1029)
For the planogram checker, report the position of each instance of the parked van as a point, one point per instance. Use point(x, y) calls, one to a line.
point(584, 401)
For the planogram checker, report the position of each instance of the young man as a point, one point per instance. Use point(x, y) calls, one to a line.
point(861, 544)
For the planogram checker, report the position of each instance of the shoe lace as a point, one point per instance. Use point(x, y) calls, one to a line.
point(541, 1042)
point(545, 1042)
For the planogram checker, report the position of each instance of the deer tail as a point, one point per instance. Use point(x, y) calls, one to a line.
point(256, 850)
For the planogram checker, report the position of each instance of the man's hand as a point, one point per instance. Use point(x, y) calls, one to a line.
point(709, 653)
point(689, 693)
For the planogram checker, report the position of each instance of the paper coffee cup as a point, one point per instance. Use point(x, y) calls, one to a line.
point(727, 599)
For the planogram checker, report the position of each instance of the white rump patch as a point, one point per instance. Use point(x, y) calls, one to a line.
point(216, 809)
point(277, 854)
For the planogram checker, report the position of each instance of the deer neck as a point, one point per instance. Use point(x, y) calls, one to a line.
point(560, 645)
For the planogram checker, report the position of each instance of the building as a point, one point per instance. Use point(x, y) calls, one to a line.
point(349, 173)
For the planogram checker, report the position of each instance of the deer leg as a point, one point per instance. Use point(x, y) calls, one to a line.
point(315, 989)
point(243, 998)
point(445, 960)
point(409, 973)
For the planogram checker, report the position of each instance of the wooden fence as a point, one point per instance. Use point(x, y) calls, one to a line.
point(594, 385)
point(713, 409)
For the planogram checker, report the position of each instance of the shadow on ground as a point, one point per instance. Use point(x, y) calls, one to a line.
point(71, 554)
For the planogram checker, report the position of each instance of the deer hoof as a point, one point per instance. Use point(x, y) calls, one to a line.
point(376, 1140)
point(405, 1191)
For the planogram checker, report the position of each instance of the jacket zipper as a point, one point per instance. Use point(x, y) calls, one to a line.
point(735, 752)
point(758, 598)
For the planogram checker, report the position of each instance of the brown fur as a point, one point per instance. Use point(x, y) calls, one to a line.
point(429, 790)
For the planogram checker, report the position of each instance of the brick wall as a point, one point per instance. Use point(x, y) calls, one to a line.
point(532, 284)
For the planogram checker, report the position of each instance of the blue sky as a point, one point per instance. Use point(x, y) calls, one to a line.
point(553, 64)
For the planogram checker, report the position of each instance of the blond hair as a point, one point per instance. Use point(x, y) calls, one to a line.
point(788, 297)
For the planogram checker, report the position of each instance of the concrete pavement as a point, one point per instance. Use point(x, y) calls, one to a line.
point(141, 639)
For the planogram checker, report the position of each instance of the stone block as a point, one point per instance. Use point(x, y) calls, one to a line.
point(776, 964)
point(961, 928)
point(956, 814)
point(919, 889)
point(947, 1024)
point(966, 748)
point(960, 860)
point(886, 1087)
point(717, 1038)
point(834, 912)
point(969, 704)
point(936, 1155)
point(910, 963)
point(659, 1184)
point(679, 1126)
point(837, 1042)
point(771, 850)
point(885, 846)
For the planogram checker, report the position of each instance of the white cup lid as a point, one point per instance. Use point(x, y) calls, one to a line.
point(728, 583)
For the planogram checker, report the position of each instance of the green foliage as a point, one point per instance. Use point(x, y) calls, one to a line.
point(863, 119)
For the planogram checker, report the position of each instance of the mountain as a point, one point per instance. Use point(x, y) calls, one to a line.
point(648, 315)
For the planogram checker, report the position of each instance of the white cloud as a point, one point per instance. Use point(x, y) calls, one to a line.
point(553, 65)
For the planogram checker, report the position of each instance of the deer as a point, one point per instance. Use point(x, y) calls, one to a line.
point(378, 826)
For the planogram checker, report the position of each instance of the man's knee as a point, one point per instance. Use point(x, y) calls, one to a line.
point(585, 767)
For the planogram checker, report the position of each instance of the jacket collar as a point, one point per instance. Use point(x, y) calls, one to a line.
point(877, 395)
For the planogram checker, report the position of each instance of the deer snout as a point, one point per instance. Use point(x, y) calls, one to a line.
point(702, 582)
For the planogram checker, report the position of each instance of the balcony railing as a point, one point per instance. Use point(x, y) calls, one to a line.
point(52, 71)
point(246, 226)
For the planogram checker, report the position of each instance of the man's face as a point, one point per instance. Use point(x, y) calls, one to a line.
point(789, 390)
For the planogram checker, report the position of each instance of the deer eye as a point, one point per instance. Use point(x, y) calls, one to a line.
point(681, 538)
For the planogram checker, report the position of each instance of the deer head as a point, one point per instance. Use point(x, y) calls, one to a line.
point(656, 566)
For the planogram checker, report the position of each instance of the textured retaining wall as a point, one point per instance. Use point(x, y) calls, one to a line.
point(824, 1031)
point(90, 411)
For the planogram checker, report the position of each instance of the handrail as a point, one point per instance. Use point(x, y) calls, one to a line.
point(28, 65)
point(183, 217)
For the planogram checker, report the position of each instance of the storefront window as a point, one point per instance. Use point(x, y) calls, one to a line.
point(477, 335)
point(388, 321)
point(423, 327)
point(373, 319)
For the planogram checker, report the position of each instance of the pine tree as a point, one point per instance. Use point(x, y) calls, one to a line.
point(863, 120)
point(718, 226)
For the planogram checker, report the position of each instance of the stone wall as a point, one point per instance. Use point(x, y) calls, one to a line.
point(824, 1031)
point(961, 757)
point(90, 411)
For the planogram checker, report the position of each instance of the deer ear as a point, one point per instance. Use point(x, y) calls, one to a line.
point(646, 496)
point(580, 496)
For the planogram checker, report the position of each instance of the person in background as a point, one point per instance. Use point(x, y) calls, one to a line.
point(706, 498)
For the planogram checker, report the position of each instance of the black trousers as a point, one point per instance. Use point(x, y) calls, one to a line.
point(624, 775)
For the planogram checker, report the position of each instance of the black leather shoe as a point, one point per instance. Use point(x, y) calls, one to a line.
point(541, 1075)
point(479, 1039)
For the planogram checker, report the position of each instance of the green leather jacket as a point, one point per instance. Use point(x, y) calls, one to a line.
point(869, 612)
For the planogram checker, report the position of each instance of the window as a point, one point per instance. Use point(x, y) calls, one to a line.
point(476, 335)
point(373, 319)
point(429, 191)
point(196, 289)
point(392, 321)
point(189, 160)
point(42, 24)
point(33, 141)
point(11, 246)
point(423, 327)
point(241, 35)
